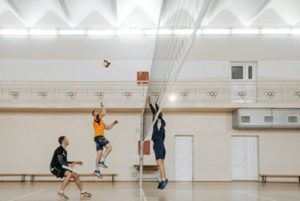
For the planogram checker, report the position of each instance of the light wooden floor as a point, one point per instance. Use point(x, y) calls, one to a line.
point(175, 191)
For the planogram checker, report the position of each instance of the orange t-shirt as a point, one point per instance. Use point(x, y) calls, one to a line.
point(99, 128)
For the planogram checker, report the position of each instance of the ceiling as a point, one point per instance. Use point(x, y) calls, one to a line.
point(142, 14)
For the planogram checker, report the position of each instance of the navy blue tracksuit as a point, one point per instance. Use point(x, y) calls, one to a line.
point(158, 135)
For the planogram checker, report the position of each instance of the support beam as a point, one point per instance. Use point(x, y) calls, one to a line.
point(208, 7)
point(114, 9)
point(259, 11)
point(64, 7)
point(15, 10)
point(209, 11)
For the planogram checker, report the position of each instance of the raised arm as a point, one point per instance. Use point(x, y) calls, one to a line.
point(151, 106)
point(110, 126)
point(103, 110)
point(99, 113)
point(157, 107)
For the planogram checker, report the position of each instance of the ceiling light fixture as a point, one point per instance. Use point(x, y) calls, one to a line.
point(216, 31)
point(43, 32)
point(268, 31)
point(71, 32)
point(99, 32)
point(245, 31)
point(14, 32)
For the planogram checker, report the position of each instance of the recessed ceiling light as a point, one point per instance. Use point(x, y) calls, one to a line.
point(43, 32)
point(14, 32)
point(275, 31)
point(216, 31)
point(245, 31)
point(98, 32)
point(129, 32)
point(72, 32)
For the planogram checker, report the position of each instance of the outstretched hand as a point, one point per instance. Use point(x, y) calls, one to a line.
point(115, 122)
point(78, 162)
point(72, 165)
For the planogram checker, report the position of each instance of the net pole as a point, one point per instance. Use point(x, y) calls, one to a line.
point(143, 134)
point(141, 154)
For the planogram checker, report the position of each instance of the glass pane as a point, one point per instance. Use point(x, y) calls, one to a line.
point(245, 119)
point(250, 73)
point(268, 119)
point(237, 72)
point(292, 119)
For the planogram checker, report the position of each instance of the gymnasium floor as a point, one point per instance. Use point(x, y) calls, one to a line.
point(179, 191)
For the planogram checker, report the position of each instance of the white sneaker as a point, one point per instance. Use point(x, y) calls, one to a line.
point(62, 195)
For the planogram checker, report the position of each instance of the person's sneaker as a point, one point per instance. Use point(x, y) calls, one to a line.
point(97, 173)
point(159, 184)
point(86, 195)
point(164, 184)
point(62, 195)
point(102, 164)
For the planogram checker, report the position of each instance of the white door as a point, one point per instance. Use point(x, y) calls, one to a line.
point(244, 158)
point(243, 86)
point(183, 158)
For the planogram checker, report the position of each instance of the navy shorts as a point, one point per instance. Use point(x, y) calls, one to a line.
point(100, 142)
point(159, 149)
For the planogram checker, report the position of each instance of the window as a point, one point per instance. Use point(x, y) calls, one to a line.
point(268, 119)
point(292, 119)
point(245, 119)
point(250, 72)
point(237, 72)
point(243, 71)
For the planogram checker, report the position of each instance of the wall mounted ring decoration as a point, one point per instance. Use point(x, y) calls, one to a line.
point(297, 93)
point(15, 94)
point(185, 93)
point(71, 94)
point(156, 94)
point(128, 94)
point(242, 94)
point(270, 94)
point(99, 94)
point(212, 94)
point(43, 94)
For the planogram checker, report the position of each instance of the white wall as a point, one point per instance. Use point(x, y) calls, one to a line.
point(253, 48)
point(278, 70)
point(28, 139)
point(214, 48)
point(69, 70)
point(211, 143)
point(279, 153)
point(267, 70)
point(79, 58)
point(92, 70)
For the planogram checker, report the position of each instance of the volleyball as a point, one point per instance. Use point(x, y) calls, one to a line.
point(106, 63)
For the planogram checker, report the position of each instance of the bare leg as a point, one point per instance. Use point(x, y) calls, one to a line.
point(77, 181)
point(108, 149)
point(66, 180)
point(79, 185)
point(99, 153)
point(161, 168)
